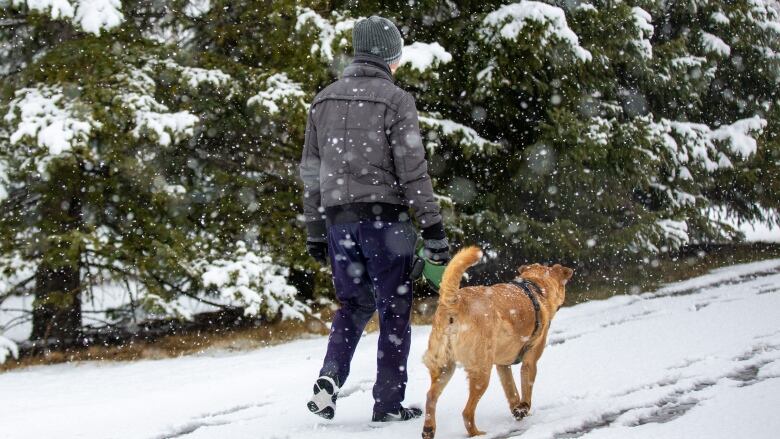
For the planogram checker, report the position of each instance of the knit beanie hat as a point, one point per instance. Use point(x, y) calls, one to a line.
point(377, 36)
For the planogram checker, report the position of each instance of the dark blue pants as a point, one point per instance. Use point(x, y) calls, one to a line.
point(371, 264)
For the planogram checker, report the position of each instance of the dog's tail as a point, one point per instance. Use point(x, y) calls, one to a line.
point(450, 281)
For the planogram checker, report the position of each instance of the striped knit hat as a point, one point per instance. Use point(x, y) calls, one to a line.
point(377, 36)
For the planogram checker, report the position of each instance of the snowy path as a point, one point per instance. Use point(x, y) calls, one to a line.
point(700, 358)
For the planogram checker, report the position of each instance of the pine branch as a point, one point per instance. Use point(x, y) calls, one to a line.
point(14, 289)
point(7, 22)
point(190, 295)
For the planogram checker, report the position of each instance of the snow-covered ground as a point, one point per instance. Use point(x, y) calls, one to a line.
point(699, 358)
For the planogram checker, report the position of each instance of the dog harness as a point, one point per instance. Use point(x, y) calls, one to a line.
point(527, 285)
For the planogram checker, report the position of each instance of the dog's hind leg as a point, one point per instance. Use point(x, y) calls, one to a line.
point(478, 383)
point(440, 376)
point(510, 390)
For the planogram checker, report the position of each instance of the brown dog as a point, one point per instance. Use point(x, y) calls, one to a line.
point(480, 326)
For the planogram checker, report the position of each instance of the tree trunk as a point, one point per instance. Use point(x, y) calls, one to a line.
point(57, 307)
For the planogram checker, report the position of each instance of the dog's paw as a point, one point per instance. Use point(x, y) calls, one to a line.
point(428, 433)
point(521, 411)
point(476, 433)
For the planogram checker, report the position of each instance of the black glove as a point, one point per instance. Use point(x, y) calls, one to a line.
point(318, 251)
point(436, 249)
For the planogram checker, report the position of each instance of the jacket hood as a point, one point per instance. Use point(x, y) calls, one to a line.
point(368, 65)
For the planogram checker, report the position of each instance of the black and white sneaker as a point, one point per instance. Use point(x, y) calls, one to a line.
point(323, 401)
point(404, 414)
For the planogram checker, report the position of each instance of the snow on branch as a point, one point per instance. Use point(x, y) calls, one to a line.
point(95, 15)
point(326, 30)
point(737, 135)
point(713, 44)
point(167, 127)
point(642, 19)
point(423, 56)
point(15, 273)
point(279, 89)
point(92, 16)
point(152, 117)
point(466, 136)
point(154, 303)
point(690, 143)
point(675, 232)
point(669, 234)
point(197, 8)
point(3, 180)
point(7, 349)
point(765, 14)
point(254, 282)
point(508, 22)
point(51, 122)
point(196, 76)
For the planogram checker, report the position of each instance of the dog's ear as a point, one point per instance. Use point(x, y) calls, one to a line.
point(526, 267)
point(563, 273)
point(522, 269)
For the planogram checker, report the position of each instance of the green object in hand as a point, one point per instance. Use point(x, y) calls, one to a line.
point(431, 272)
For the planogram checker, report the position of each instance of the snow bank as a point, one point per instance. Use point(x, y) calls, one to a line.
point(760, 232)
point(753, 231)
point(698, 358)
point(279, 89)
point(15, 271)
point(509, 20)
point(424, 56)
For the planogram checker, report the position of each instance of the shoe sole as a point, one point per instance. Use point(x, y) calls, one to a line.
point(326, 413)
point(323, 402)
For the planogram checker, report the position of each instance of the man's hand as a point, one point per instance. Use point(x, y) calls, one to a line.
point(436, 250)
point(318, 251)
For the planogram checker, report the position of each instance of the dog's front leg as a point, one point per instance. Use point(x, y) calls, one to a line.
point(478, 383)
point(440, 376)
point(527, 378)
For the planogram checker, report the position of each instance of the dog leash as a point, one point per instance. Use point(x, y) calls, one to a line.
point(526, 285)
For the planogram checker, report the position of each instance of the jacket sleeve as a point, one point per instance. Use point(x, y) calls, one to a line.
point(310, 174)
point(411, 167)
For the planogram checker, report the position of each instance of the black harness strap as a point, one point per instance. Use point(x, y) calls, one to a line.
point(527, 285)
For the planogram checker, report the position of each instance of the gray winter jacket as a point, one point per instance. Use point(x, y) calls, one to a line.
point(363, 152)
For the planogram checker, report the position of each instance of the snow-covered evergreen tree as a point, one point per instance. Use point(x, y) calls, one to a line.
point(126, 163)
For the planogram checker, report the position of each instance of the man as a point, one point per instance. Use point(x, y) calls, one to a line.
point(363, 167)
